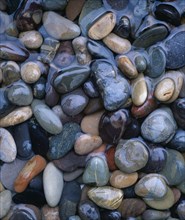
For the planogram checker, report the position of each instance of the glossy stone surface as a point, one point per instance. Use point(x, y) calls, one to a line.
point(88, 210)
point(106, 197)
point(110, 215)
point(39, 88)
point(110, 158)
point(61, 144)
point(96, 172)
point(90, 88)
point(178, 141)
point(178, 108)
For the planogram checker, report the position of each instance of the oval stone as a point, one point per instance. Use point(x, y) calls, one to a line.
point(53, 184)
point(106, 197)
point(153, 214)
point(5, 202)
point(96, 172)
point(30, 72)
point(8, 150)
point(88, 210)
point(46, 117)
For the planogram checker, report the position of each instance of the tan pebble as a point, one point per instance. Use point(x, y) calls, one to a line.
point(1, 187)
point(49, 213)
point(31, 39)
point(100, 149)
point(103, 26)
point(139, 90)
point(30, 72)
point(120, 180)
point(17, 116)
point(117, 44)
point(90, 123)
point(164, 89)
point(127, 67)
point(87, 143)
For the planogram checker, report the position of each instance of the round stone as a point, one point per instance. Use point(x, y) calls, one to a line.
point(131, 155)
point(164, 89)
point(31, 39)
point(140, 63)
point(119, 179)
point(5, 202)
point(96, 172)
point(30, 72)
point(88, 210)
point(53, 184)
point(8, 150)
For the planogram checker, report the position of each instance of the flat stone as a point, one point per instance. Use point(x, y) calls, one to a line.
point(88, 210)
point(30, 72)
point(117, 44)
point(119, 179)
point(50, 213)
point(8, 150)
point(106, 197)
point(59, 27)
point(86, 143)
point(48, 120)
point(5, 202)
point(53, 184)
point(17, 116)
point(153, 214)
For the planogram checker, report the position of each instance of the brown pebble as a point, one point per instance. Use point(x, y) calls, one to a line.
point(49, 213)
point(74, 8)
point(30, 72)
point(177, 194)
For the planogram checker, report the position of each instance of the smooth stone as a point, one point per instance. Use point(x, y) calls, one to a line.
point(23, 141)
point(120, 180)
point(73, 175)
point(13, 52)
point(181, 186)
point(74, 217)
point(111, 158)
point(80, 47)
point(175, 166)
point(73, 9)
point(53, 184)
point(157, 132)
point(5, 202)
point(88, 211)
point(112, 125)
point(110, 215)
point(31, 39)
point(10, 171)
point(48, 120)
point(90, 123)
point(153, 214)
point(140, 63)
point(30, 72)
point(86, 143)
point(5, 21)
point(37, 183)
point(174, 45)
point(17, 116)
point(71, 78)
point(94, 105)
point(131, 155)
point(8, 150)
point(64, 30)
point(151, 186)
point(139, 90)
point(127, 67)
point(54, 4)
point(50, 213)
point(30, 196)
point(90, 88)
point(177, 194)
point(164, 203)
point(178, 108)
point(164, 89)
point(178, 141)
point(74, 102)
point(129, 192)
point(117, 44)
point(39, 88)
point(19, 93)
point(32, 168)
point(134, 129)
point(1, 187)
point(132, 207)
point(114, 89)
point(96, 172)
point(106, 197)
point(61, 144)
point(69, 200)
point(181, 209)
point(70, 162)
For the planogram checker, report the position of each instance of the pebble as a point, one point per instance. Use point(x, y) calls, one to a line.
point(110, 158)
point(139, 90)
point(54, 4)
point(46, 117)
point(31, 39)
point(74, 217)
point(106, 197)
point(70, 176)
point(1, 187)
point(32, 168)
point(61, 144)
point(17, 116)
point(90, 123)
point(94, 105)
point(88, 210)
point(5, 202)
point(119, 179)
point(96, 172)
point(181, 209)
point(50, 213)
point(131, 155)
point(110, 215)
point(39, 88)
point(8, 150)
point(178, 108)
point(73, 9)
point(86, 143)
point(178, 141)
point(153, 214)
point(53, 184)
point(30, 72)
point(90, 88)
point(64, 30)
point(117, 44)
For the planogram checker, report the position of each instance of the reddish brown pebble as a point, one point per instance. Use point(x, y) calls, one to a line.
point(74, 8)
point(110, 158)
point(177, 194)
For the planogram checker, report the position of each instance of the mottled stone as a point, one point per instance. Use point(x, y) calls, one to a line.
point(50, 213)
point(5, 202)
point(96, 172)
point(88, 210)
point(153, 214)
point(39, 88)
point(61, 144)
point(106, 197)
